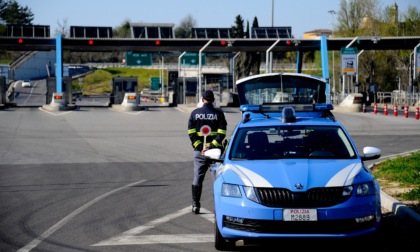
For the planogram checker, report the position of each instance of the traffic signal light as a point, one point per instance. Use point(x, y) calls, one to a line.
point(288, 42)
point(223, 43)
point(157, 42)
point(90, 42)
point(20, 40)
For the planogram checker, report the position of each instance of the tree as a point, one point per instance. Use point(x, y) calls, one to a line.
point(184, 30)
point(255, 56)
point(353, 15)
point(62, 28)
point(248, 63)
point(367, 18)
point(237, 30)
point(12, 13)
point(123, 31)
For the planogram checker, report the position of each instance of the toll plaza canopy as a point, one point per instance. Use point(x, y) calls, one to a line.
point(158, 37)
point(211, 45)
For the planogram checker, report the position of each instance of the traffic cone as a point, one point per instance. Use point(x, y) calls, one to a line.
point(395, 110)
point(375, 109)
point(385, 109)
point(406, 111)
point(417, 113)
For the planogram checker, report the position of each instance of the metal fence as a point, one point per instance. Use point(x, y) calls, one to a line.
point(398, 98)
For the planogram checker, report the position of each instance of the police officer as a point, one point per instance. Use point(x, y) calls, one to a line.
point(210, 116)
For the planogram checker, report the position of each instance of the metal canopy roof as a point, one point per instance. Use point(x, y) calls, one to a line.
point(215, 46)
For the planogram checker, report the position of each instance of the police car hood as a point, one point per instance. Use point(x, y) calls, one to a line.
point(287, 173)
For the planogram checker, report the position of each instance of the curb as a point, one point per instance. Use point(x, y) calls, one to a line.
point(399, 209)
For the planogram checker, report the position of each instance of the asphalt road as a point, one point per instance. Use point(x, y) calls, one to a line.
point(95, 179)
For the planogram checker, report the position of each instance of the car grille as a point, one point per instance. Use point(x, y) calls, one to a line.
point(315, 197)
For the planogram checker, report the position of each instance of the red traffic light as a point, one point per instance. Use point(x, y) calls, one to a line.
point(157, 42)
point(288, 42)
point(223, 43)
point(90, 42)
point(20, 40)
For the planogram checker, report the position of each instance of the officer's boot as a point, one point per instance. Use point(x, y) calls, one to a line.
point(196, 195)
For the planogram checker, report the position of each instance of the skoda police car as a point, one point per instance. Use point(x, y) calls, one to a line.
point(290, 169)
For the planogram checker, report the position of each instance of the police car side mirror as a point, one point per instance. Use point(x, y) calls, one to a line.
point(225, 143)
point(214, 154)
point(370, 153)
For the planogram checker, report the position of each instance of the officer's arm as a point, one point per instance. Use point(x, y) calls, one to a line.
point(221, 133)
point(192, 133)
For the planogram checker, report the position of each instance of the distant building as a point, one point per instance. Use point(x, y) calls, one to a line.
point(317, 33)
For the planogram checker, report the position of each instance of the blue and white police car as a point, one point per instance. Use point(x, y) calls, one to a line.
point(290, 169)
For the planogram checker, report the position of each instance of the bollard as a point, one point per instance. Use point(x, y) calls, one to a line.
point(417, 113)
point(375, 109)
point(364, 108)
point(406, 111)
point(385, 109)
point(395, 110)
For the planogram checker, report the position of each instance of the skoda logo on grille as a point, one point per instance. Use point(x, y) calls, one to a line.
point(299, 186)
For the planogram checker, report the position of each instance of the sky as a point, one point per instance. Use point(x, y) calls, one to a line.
point(301, 15)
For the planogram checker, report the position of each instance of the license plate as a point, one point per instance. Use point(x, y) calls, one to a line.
point(300, 215)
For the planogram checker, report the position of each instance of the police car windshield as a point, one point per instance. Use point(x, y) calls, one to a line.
point(291, 142)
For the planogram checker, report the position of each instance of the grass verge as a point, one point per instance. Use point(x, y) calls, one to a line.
point(400, 178)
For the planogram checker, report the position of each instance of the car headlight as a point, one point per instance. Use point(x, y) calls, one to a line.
point(347, 190)
point(230, 190)
point(365, 189)
point(250, 193)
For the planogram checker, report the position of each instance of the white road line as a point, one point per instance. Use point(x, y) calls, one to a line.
point(133, 236)
point(66, 219)
point(55, 114)
point(160, 239)
point(127, 112)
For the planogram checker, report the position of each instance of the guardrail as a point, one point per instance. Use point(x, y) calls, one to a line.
point(398, 98)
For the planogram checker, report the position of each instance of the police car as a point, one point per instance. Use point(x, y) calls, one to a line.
point(290, 169)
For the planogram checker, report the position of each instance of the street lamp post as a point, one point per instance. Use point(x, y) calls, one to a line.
point(272, 13)
point(332, 12)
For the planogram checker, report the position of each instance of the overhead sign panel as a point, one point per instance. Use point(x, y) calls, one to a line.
point(42, 31)
point(138, 59)
point(90, 32)
point(209, 33)
point(271, 32)
point(349, 61)
point(192, 59)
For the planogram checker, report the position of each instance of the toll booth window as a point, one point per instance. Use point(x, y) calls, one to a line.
point(118, 86)
point(129, 86)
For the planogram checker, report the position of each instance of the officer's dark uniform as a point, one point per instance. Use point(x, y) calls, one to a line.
point(215, 119)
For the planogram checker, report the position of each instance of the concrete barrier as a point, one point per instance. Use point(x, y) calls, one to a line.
point(352, 103)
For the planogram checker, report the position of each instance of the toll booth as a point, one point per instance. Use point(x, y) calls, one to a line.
point(66, 89)
point(3, 88)
point(186, 90)
point(122, 85)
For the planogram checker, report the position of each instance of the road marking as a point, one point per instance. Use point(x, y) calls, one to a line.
point(134, 112)
point(73, 214)
point(133, 237)
point(55, 113)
